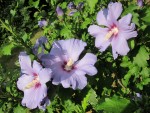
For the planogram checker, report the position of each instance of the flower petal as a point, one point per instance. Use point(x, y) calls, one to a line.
point(45, 75)
point(72, 48)
point(128, 31)
point(101, 17)
point(115, 54)
point(23, 81)
point(47, 60)
point(67, 82)
point(126, 19)
point(130, 34)
point(25, 63)
point(86, 64)
point(114, 10)
point(80, 79)
point(77, 80)
point(58, 51)
point(45, 102)
point(101, 43)
point(37, 67)
point(58, 74)
point(95, 30)
point(33, 96)
point(120, 45)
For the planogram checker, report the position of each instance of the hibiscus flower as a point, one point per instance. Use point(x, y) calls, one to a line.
point(32, 81)
point(111, 31)
point(66, 68)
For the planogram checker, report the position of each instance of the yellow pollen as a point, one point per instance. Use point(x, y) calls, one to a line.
point(69, 64)
point(32, 83)
point(113, 31)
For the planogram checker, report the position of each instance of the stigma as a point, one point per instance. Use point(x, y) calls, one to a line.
point(113, 31)
point(69, 65)
point(35, 82)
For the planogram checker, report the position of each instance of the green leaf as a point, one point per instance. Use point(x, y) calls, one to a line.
point(25, 37)
point(146, 81)
point(114, 105)
point(89, 99)
point(134, 70)
point(6, 49)
point(146, 19)
point(135, 18)
point(85, 23)
point(13, 12)
point(145, 72)
point(20, 109)
point(142, 57)
point(70, 107)
point(35, 4)
point(53, 2)
point(130, 9)
point(66, 32)
point(132, 44)
point(92, 4)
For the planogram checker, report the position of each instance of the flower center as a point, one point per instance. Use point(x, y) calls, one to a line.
point(113, 31)
point(35, 82)
point(69, 65)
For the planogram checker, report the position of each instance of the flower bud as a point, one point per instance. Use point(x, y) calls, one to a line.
point(59, 11)
point(140, 3)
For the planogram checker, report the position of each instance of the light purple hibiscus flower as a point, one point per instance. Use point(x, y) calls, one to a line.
point(32, 81)
point(66, 68)
point(42, 23)
point(116, 32)
point(39, 44)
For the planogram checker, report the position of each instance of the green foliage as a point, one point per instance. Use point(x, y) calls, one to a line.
point(142, 57)
point(92, 5)
point(90, 99)
point(6, 49)
point(115, 104)
point(70, 107)
point(125, 76)
point(147, 16)
point(20, 109)
point(34, 4)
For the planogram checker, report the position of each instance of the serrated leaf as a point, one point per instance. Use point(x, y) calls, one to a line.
point(70, 107)
point(142, 57)
point(146, 19)
point(134, 70)
point(126, 64)
point(135, 18)
point(6, 49)
point(13, 12)
point(140, 86)
point(25, 37)
point(85, 23)
point(20, 109)
point(92, 4)
point(65, 32)
point(146, 81)
point(114, 105)
point(35, 4)
point(145, 72)
point(130, 9)
point(89, 99)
